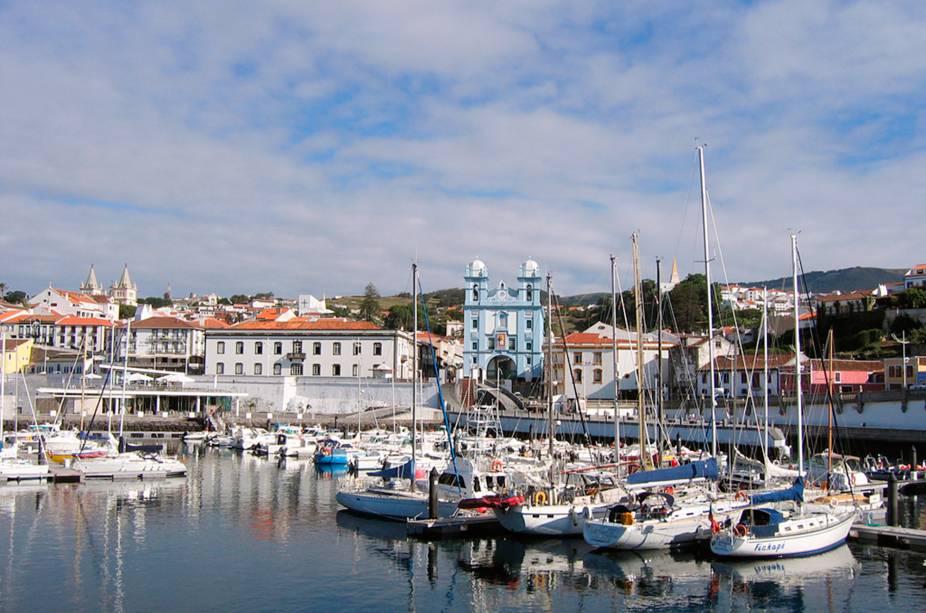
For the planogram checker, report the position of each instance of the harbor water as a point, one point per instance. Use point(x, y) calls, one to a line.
point(243, 533)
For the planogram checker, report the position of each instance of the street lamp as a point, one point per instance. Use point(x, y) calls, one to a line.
point(903, 343)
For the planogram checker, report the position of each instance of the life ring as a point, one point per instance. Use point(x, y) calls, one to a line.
point(497, 465)
point(540, 498)
point(741, 530)
point(742, 495)
point(669, 490)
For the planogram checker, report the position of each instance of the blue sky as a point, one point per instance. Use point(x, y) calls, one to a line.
point(313, 147)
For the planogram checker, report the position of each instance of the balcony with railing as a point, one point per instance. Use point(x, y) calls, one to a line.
point(295, 356)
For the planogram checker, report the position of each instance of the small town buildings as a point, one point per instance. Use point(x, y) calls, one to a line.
point(740, 377)
point(589, 355)
point(503, 326)
point(308, 305)
point(14, 358)
point(310, 347)
point(915, 277)
point(82, 334)
point(894, 375)
point(840, 303)
point(848, 377)
point(45, 360)
point(692, 353)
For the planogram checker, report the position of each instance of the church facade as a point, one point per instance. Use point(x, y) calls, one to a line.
point(503, 326)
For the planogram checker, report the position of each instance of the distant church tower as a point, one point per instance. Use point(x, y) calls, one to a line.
point(91, 286)
point(124, 291)
point(503, 327)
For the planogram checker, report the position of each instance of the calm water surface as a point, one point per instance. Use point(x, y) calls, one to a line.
point(244, 533)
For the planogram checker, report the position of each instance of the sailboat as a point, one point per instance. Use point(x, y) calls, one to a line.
point(13, 468)
point(792, 531)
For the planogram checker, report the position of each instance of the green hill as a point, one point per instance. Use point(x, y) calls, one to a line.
point(844, 279)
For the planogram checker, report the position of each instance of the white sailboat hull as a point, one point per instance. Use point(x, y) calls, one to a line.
point(783, 546)
point(396, 506)
point(650, 535)
point(552, 520)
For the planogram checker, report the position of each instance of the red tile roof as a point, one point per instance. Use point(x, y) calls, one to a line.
point(13, 343)
point(31, 317)
point(211, 323)
point(301, 323)
point(161, 322)
point(75, 296)
point(83, 321)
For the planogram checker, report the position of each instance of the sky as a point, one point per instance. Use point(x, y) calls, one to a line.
point(313, 147)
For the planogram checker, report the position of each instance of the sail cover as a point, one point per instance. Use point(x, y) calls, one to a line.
point(402, 471)
point(795, 493)
point(699, 469)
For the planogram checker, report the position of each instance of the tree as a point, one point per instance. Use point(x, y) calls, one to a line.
point(17, 297)
point(399, 317)
point(225, 301)
point(915, 298)
point(239, 298)
point(369, 306)
point(127, 311)
point(156, 302)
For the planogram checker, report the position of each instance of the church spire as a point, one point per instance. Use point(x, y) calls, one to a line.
point(91, 285)
point(125, 281)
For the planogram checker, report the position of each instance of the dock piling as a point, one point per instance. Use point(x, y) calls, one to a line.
point(432, 494)
point(892, 506)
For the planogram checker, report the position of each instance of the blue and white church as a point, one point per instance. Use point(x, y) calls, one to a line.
point(503, 326)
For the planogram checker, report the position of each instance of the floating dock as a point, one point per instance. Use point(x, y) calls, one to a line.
point(890, 536)
point(462, 526)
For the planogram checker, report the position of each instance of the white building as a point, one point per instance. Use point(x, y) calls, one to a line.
point(590, 358)
point(52, 300)
point(167, 343)
point(307, 304)
point(915, 277)
point(310, 347)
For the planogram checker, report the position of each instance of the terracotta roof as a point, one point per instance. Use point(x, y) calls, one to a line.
point(211, 323)
point(271, 314)
point(301, 323)
point(31, 317)
point(83, 321)
point(723, 363)
point(160, 322)
point(857, 295)
point(75, 296)
point(13, 343)
point(586, 339)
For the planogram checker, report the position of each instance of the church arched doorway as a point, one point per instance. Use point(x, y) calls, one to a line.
point(501, 368)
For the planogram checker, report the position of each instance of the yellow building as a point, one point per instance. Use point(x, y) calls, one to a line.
point(18, 353)
point(893, 372)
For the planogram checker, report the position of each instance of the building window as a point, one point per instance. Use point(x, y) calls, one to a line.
point(239, 368)
point(335, 370)
point(278, 369)
point(336, 349)
point(530, 292)
point(258, 369)
point(491, 344)
point(596, 376)
point(278, 349)
point(220, 368)
point(529, 360)
point(258, 348)
point(356, 370)
point(316, 348)
point(239, 347)
point(377, 349)
point(220, 347)
point(529, 345)
point(295, 369)
point(529, 323)
point(475, 360)
point(476, 345)
point(297, 346)
point(578, 375)
point(474, 323)
point(577, 357)
point(357, 348)
point(511, 345)
point(596, 358)
point(475, 292)
point(316, 370)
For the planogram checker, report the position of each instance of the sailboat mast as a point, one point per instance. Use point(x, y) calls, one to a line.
point(641, 406)
point(550, 372)
point(2, 380)
point(797, 358)
point(614, 370)
point(710, 308)
point(125, 373)
point(829, 414)
point(659, 400)
point(414, 368)
point(765, 367)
